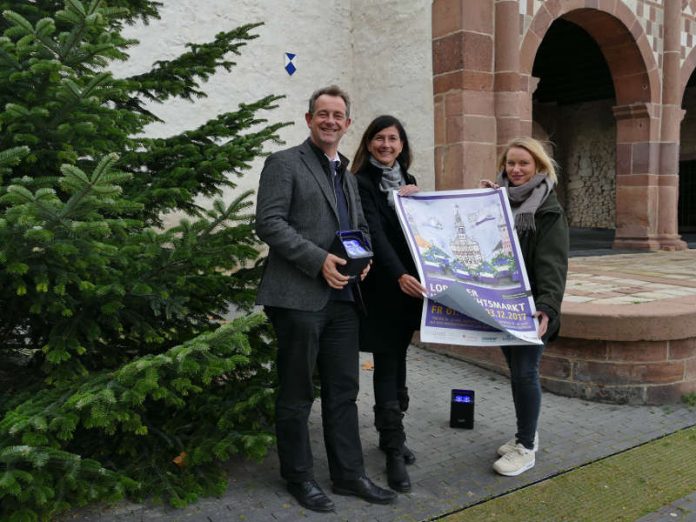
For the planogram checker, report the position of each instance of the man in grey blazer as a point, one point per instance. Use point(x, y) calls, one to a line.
point(305, 196)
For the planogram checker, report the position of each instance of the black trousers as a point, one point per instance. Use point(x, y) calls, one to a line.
point(390, 366)
point(327, 340)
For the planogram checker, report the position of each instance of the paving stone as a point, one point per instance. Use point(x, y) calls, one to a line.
point(453, 467)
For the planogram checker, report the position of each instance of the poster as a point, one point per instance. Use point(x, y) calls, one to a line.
point(470, 263)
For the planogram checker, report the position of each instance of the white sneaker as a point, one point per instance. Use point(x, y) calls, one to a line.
point(510, 445)
point(515, 462)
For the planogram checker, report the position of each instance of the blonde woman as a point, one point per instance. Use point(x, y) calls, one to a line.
point(529, 174)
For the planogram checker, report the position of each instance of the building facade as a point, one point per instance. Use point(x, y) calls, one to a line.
point(609, 82)
point(379, 53)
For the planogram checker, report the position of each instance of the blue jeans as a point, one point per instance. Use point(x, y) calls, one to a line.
point(523, 362)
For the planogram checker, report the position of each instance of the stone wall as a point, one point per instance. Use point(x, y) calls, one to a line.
point(380, 55)
point(584, 141)
point(587, 154)
point(622, 372)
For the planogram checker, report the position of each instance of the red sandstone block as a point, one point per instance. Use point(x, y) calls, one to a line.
point(482, 354)
point(626, 373)
point(491, 358)
point(508, 104)
point(480, 129)
point(454, 130)
point(440, 121)
point(507, 81)
point(507, 128)
point(454, 105)
point(637, 180)
point(447, 16)
point(584, 349)
point(447, 53)
point(682, 348)
point(439, 161)
point(623, 158)
point(478, 158)
point(477, 52)
point(669, 393)
point(690, 369)
point(477, 102)
point(634, 129)
point(451, 175)
point(633, 88)
point(637, 351)
point(623, 58)
point(542, 21)
point(478, 16)
point(530, 46)
point(468, 80)
point(477, 81)
point(555, 367)
point(643, 158)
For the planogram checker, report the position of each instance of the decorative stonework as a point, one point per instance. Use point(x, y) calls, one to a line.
point(648, 12)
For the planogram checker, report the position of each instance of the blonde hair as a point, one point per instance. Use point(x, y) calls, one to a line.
point(545, 164)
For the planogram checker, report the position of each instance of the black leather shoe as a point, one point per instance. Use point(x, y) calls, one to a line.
point(364, 488)
point(310, 495)
point(409, 456)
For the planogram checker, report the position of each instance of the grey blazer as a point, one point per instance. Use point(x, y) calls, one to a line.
point(296, 216)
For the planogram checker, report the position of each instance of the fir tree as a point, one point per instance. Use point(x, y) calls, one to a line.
point(120, 378)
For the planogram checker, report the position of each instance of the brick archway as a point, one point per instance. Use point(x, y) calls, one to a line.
point(687, 69)
point(619, 35)
point(636, 80)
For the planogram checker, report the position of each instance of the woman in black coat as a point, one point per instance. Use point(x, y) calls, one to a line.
point(391, 291)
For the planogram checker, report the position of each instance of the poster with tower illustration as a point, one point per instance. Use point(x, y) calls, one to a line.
point(469, 260)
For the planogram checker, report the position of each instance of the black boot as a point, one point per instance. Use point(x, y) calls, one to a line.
point(397, 476)
point(409, 456)
point(389, 423)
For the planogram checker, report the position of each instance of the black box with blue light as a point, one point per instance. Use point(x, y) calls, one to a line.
point(462, 409)
point(352, 246)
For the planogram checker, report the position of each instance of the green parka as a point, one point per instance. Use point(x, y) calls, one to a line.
point(545, 252)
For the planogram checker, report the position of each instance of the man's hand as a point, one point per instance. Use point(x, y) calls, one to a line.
point(329, 270)
point(543, 323)
point(411, 286)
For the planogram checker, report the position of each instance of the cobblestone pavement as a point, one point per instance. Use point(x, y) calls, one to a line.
point(453, 469)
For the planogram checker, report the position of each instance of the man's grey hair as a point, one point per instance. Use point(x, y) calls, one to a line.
point(331, 90)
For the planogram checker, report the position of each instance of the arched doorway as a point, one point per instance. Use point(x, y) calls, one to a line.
point(636, 110)
point(686, 213)
point(572, 108)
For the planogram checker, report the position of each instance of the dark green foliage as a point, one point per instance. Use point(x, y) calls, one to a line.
point(117, 377)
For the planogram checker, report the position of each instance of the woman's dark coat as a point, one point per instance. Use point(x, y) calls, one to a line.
point(545, 253)
point(391, 314)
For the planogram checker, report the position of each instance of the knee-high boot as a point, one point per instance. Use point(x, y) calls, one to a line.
point(389, 424)
point(404, 399)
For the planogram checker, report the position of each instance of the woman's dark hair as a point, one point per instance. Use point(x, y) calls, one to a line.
point(362, 155)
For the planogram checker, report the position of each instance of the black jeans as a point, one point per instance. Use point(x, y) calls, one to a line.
point(327, 339)
point(523, 362)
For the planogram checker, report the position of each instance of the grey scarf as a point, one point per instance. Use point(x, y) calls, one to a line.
point(526, 199)
point(391, 179)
